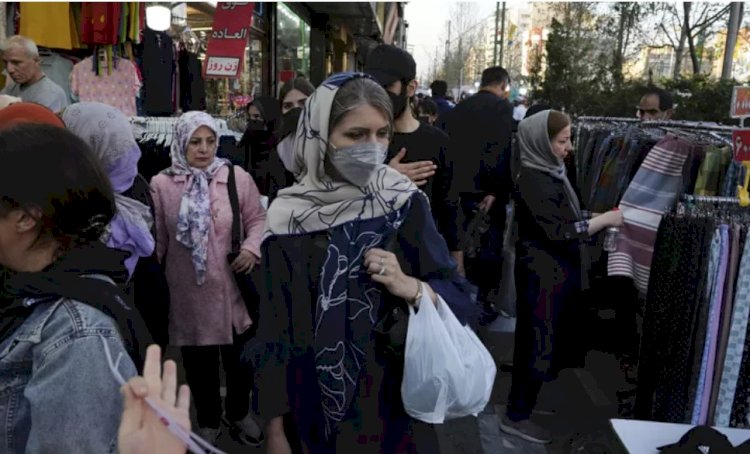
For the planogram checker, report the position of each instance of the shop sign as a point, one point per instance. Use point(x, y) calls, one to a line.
point(226, 47)
point(741, 141)
point(222, 66)
point(740, 102)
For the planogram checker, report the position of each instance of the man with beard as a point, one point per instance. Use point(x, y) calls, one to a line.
point(418, 150)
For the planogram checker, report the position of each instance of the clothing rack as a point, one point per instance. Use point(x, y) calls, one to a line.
point(709, 199)
point(682, 124)
point(165, 125)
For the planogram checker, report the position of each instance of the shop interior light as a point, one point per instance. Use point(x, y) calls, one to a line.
point(158, 18)
point(523, 91)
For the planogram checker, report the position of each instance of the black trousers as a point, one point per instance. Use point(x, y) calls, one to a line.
point(486, 269)
point(203, 377)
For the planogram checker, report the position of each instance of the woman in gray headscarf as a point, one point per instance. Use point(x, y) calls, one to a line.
point(551, 264)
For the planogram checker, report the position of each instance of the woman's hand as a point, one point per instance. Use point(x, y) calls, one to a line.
point(614, 218)
point(245, 262)
point(385, 269)
point(141, 430)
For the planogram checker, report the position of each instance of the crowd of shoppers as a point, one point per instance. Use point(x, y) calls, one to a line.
point(370, 210)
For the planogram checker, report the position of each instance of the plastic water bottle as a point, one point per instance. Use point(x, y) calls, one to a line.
point(610, 238)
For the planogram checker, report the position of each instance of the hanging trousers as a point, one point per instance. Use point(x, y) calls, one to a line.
point(202, 371)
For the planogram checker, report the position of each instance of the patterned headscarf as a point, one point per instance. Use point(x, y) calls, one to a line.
point(194, 218)
point(317, 202)
point(536, 153)
point(109, 134)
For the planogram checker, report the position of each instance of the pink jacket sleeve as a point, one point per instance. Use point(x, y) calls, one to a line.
point(162, 239)
point(253, 213)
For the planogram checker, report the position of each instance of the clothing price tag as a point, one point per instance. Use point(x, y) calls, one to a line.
point(222, 66)
point(740, 102)
point(741, 143)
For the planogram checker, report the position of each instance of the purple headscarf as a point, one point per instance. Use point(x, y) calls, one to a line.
point(109, 134)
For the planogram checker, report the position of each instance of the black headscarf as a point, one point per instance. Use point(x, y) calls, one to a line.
point(67, 278)
point(265, 140)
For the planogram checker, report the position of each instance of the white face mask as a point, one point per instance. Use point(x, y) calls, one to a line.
point(357, 163)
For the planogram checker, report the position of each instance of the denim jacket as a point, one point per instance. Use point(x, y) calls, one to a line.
point(57, 393)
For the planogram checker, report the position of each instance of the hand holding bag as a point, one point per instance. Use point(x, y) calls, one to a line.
point(448, 373)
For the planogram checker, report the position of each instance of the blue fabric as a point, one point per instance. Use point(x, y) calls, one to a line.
point(347, 305)
point(736, 343)
point(717, 241)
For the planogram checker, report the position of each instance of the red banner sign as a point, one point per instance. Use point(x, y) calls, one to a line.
point(226, 47)
point(741, 141)
point(740, 102)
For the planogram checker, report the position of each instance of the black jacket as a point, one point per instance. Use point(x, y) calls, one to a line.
point(480, 130)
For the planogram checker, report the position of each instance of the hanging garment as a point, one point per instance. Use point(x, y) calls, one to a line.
point(100, 23)
point(117, 89)
point(719, 262)
point(712, 171)
point(192, 87)
point(58, 69)
point(672, 311)
point(157, 67)
point(726, 318)
point(736, 344)
point(49, 24)
point(653, 190)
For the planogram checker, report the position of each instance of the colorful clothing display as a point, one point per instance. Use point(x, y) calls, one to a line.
point(49, 24)
point(117, 89)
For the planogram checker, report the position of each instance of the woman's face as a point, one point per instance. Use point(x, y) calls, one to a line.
point(294, 98)
point(362, 124)
point(561, 145)
point(18, 233)
point(253, 113)
point(201, 149)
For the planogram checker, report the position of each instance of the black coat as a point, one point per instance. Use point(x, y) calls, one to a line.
point(548, 274)
point(480, 130)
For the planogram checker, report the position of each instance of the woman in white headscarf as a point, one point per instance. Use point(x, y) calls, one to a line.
point(352, 241)
point(551, 264)
point(208, 317)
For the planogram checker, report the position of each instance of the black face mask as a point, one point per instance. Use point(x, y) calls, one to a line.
point(255, 133)
point(256, 125)
point(289, 122)
point(424, 118)
point(399, 102)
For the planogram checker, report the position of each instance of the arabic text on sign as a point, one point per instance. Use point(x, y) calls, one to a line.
point(741, 141)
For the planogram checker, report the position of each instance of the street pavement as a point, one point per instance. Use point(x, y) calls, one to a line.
point(576, 408)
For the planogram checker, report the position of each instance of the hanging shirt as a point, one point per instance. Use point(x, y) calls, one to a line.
point(117, 89)
point(49, 24)
point(158, 68)
point(43, 91)
point(58, 70)
point(100, 22)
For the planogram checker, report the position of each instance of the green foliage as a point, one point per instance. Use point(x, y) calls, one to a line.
point(698, 99)
point(702, 99)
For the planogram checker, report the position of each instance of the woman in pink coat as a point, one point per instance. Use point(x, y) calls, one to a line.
point(208, 317)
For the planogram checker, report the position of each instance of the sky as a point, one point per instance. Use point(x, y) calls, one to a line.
point(427, 23)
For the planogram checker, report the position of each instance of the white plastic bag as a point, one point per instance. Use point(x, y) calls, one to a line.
point(448, 373)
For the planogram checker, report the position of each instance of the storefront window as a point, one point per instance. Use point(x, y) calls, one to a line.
point(292, 44)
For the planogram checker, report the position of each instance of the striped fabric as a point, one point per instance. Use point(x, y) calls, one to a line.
point(653, 191)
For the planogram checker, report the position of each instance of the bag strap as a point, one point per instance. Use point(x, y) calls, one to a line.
point(234, 201)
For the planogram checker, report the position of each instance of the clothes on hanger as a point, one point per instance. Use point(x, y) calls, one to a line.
point(49, 24)
point(695, 349)
point(117, 89)
point(158, 69)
